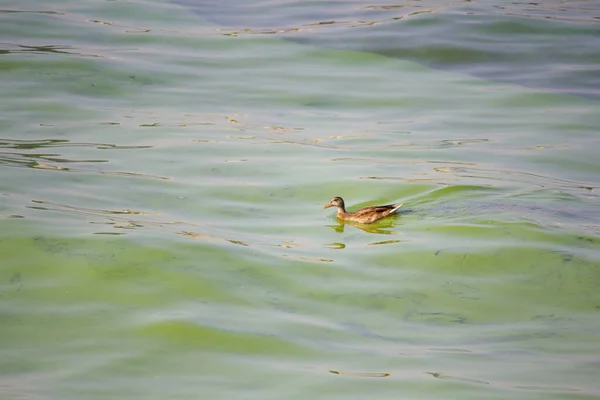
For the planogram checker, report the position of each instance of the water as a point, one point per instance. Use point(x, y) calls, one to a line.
point(164, 168)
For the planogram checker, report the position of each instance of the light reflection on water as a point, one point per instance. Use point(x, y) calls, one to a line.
point(493, 41)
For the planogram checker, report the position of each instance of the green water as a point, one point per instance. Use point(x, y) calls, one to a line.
point(161, 224)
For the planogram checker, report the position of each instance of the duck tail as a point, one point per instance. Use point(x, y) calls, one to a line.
point(396, 208)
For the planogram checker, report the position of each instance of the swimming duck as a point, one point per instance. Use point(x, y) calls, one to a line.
point(365, 215)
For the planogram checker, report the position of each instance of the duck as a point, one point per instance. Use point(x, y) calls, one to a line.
point(365, 215)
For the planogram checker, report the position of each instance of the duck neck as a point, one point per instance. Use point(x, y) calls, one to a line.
point(341, 210)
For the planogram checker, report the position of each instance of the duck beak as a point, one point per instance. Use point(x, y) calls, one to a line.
point(328, 205)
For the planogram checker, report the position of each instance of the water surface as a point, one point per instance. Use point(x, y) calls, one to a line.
point(164, 167)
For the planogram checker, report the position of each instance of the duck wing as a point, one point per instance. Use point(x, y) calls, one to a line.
point(385, 210)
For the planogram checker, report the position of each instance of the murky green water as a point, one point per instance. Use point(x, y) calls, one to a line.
point(164, 167)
